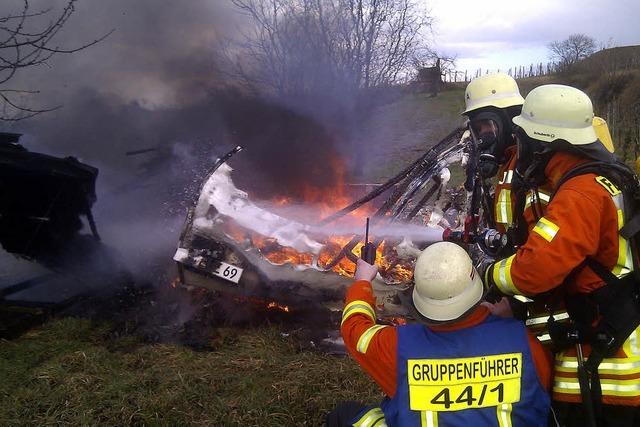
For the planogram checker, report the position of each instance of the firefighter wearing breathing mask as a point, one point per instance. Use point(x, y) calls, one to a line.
point(444, 370)
point(491, 102)
point(580, 253)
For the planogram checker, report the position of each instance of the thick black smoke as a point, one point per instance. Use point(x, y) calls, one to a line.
point(154, 84)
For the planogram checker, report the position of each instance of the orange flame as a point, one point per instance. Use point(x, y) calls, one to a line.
point(270, 305)
point(277, 306)
point(325, 201)
point(175, 282)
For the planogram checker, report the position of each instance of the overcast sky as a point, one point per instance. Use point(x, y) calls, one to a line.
point(504, 33)
point(161, 53)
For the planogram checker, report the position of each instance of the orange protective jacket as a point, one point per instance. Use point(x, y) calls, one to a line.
point(505, 201)
point(506, 215)
point(375, 346)
point(581, 221)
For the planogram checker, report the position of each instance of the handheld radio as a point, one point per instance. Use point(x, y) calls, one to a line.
point(368, 251)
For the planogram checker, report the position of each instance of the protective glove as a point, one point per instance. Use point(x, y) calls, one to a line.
point(483, 262)
point(484, 269)
point(365, 271)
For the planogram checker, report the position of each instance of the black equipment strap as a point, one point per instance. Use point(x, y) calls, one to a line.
point(618, 300)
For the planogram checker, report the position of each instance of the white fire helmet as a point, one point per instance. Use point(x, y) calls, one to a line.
point(446, 283)
point(552, 112)
point(492, 90)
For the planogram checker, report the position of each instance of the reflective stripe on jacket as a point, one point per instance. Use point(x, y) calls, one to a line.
point(619, 375)
point(581, 221)
point(462, 378)
point(506, 216)
point(372, 417)
point(377, 353)
point(537, 321)
point(505, 199)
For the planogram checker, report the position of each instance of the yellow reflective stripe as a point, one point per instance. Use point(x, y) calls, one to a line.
point(608, 185)
point(544, 198)
point(611, 366)
point(631, 345)
point(428, 419)
point(624, 264)
point(620, 219)
point(365, 338)
point(504, 211)
point(610, 387)
point(546, 229)
point(566, 385)
point(381, 422)
point(502, 276)
point(373, 418)
point(358, 307)
point(503, 412)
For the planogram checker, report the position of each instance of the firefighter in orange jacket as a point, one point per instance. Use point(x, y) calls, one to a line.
point(573, 249)
point(444, 370)
point(491, 102)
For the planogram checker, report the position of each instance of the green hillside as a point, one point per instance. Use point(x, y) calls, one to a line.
point(395, 134)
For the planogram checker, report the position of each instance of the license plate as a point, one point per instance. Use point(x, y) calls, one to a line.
point(229, 272)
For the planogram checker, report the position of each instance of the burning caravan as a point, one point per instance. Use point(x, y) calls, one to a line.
point(233, 245)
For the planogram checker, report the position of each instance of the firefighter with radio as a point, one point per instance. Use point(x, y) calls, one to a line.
point(443, 370)
point(582, 253)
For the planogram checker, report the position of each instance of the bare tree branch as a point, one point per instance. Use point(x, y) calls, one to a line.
point(25, 41)
point(302, 46)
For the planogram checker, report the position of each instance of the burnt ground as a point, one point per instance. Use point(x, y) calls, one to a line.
point(194, 317)
point(171, 313)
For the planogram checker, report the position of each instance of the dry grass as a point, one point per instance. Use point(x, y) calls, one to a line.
point(72, 372)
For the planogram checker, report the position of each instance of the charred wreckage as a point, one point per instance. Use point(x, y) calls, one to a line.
point(232, 245)
point(45, 206)
point(60, 192)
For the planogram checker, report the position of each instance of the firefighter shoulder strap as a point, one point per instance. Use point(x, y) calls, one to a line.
point(618, 301)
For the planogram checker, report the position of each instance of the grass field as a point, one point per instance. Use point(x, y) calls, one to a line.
point(72, 372)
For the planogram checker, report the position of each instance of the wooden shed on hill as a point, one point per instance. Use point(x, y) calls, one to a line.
point(429, 79)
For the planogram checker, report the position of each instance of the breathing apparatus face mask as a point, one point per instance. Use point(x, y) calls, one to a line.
point(533, 156)
point(488, 130)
